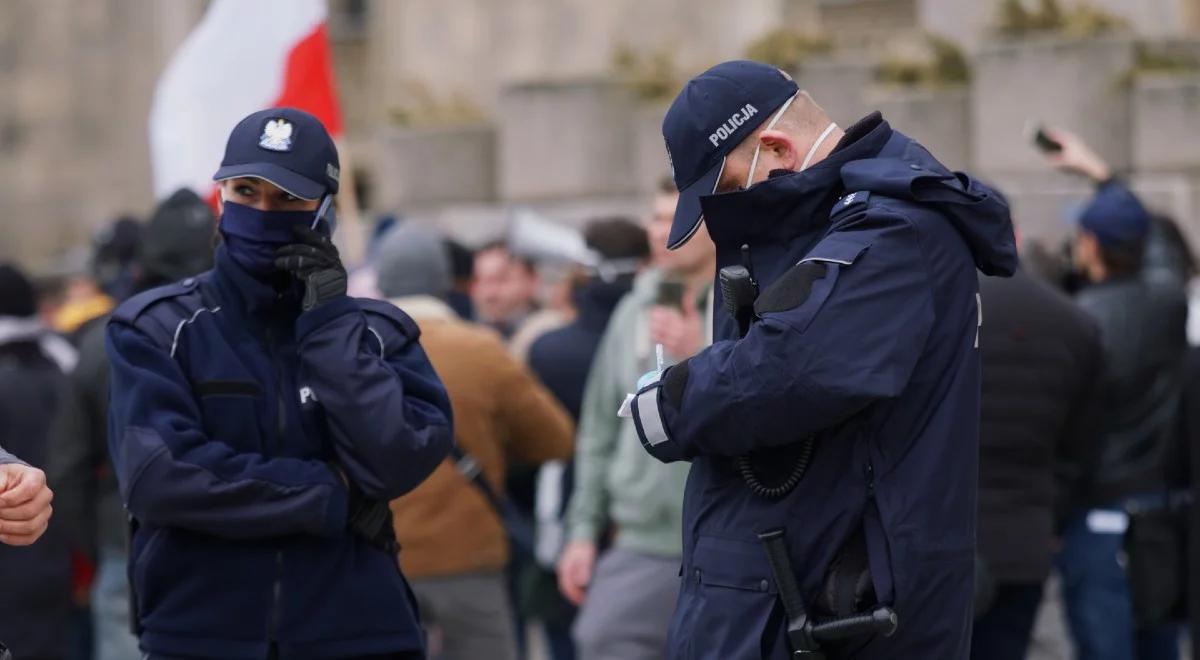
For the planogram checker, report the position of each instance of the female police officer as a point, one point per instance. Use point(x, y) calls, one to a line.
point(260, 421)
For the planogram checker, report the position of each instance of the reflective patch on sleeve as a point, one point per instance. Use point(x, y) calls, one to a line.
point(649, 419)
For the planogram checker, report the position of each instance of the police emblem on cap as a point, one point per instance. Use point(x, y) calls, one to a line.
point(277, 135)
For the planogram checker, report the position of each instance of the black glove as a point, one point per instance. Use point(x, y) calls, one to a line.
point(315, 262)
point(371, 520)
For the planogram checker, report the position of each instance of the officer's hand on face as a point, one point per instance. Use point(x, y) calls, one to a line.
point(1076, 156)
point(575, 570)
point(314, 260)
point(680, 331)
point(24, 504)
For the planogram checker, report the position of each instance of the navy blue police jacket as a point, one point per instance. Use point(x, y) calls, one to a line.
point(229, 410)
point(866, 337)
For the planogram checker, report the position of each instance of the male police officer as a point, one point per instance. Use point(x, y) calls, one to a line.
point(260, 421)
point(859, 361)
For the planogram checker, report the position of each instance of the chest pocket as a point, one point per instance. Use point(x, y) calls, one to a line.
point(800, 293)
point(230, 410)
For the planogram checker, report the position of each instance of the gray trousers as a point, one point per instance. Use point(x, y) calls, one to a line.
point(628, 608)
point(468, 616)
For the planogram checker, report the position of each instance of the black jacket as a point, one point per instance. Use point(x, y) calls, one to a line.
point(86, 501)
point(1143, 326)
point(1191, 435)
point(1041, 359)
point(35, 580)
point(562, 358)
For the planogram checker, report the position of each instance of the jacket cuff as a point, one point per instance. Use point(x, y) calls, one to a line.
point(652, 427)
point(583, 531)
point(322, 314)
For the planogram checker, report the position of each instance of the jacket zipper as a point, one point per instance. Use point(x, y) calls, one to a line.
point(281, 428)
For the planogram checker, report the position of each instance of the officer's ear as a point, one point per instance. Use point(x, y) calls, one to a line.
point(781, 148)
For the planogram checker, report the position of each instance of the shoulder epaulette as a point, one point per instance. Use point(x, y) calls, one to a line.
point(404, 322)
point(134, 307)
point(853, 202)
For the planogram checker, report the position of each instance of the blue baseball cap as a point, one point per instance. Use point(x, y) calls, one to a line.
point(714, 113)
point(1115, 216)
point(288, 147)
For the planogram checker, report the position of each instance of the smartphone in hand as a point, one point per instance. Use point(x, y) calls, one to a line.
point(670, 294)
point(1042, 140)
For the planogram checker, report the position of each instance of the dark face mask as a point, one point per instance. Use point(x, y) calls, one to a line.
point(252, 236)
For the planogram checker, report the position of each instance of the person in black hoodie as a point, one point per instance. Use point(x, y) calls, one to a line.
point(177, 243)
point(562, 358)
point(1041, 360)
point(35, 596)
point(1122, 549)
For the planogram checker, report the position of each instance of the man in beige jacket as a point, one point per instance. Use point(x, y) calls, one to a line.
point(455, 546)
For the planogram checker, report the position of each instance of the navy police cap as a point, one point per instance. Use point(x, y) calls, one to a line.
point(714, 113)
point(1115, 216)
point(288, 147)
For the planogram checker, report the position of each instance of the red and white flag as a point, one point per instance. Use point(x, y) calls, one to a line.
point(242, 57)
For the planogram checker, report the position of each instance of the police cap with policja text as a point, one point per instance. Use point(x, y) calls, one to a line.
point(714, 113)
point(288, 147)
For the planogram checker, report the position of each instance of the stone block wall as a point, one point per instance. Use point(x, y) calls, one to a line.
point(1166, 126)
point(420, 167)
point(1070, 83)
point(940, 119)
point(566, 139)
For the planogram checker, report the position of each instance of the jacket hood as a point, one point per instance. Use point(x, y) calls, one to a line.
point(905, 170)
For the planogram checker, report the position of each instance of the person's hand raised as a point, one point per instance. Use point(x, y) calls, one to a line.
point(1076, 156)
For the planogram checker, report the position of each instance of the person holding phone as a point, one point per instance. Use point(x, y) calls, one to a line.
point(1121, 584)
point(626, 594)
point(260, 422)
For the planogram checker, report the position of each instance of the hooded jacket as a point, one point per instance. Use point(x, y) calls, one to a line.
point(866, 338)
point(231, 415)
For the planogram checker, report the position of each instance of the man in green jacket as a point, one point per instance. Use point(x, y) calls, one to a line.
point(627, 597)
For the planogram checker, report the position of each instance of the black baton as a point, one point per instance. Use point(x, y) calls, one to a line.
point(804, 635)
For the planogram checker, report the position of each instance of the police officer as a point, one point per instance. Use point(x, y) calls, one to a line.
point(845, 420)
point(260, 421)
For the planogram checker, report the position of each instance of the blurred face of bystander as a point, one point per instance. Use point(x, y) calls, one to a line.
point(693, 257)
point(658, 227)
point(504, 288)
point(1085, 253)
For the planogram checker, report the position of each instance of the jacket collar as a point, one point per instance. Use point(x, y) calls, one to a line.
point(790, 205)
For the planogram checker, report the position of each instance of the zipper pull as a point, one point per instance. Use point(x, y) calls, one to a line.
point(870, 480)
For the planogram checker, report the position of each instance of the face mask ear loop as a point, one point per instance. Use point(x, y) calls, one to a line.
point(326, 202)
point(813, 150)
point(770, 125)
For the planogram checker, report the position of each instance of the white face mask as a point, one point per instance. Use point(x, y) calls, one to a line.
point(807, 158)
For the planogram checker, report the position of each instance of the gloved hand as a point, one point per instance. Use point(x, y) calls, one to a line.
point(315, 262)
point(648, 378)
point(371, 520)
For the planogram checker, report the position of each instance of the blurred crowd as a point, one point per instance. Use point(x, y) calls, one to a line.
point(549, 519)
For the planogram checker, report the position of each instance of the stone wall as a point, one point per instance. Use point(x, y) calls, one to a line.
point(559, 140)
point(1060, 82)
point(422, 167)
